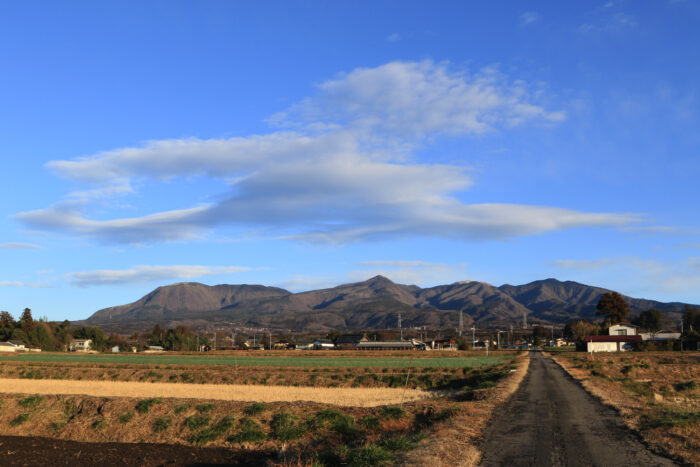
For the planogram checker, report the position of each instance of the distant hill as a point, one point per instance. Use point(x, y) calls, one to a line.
point(372, 304)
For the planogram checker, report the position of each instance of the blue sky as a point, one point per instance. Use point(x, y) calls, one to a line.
point(307, 144)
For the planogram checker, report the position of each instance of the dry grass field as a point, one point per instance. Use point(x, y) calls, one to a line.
point(657, 394)
point(375, 429)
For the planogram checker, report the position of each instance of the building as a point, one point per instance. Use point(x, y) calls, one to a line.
point(622, 329)
point(80, 345)
point(154, 349)
point(19, 345)
point(115, 349)
point(304, 345)
point(6, 347)
point(350, 341)
point(283, 344)
point(323, 344)
point(661, 336)
point(618, 343)
point(384, 345)
point(443, 344)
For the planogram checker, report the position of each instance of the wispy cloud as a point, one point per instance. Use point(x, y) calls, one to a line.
point(395, 37)
point(529, 17)
point(19, 246)
point(140, 274)
point(346, 172)
point(20, 284)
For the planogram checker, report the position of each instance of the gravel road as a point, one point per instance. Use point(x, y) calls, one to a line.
point(552, 421)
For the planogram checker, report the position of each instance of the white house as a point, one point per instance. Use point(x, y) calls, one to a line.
point(622, 330)
point(7, 347)
point(81, 345)
point(611, 343)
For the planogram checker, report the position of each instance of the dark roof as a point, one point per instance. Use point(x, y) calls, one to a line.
point(385, 344)
point(350, 339)
point(613, 338)
point(16, 342)
point(629, 325)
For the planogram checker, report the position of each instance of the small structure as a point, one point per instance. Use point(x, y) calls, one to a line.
point(622, 329)
point(618, 343)
point(350, 341)
point(323, 344)
point(80, 345)
point(304, 345)
point(661, 336)
point(443, 344)
point(19, 345)
point(154, 349)
point(6, 347)
point(115, 349)
point(386, 345)
point(283, 344)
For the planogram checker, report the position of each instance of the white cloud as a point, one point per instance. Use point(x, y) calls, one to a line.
point(19, 246)
point(423, 273)
point(581, 265)
point(20, 284)
point(529, 17)
point(393, 37)
point(346, 174)
point(148, 274)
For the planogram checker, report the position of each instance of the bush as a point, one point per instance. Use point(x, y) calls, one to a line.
point(687, 386)
point(195, 422)
point(145, 405)
point(181, 408)
point(204, 408)
point(250, 432)
point(126, 418)
point(392, 412)
point(161, 424)
point(370, 422)
point(369, 456)
point(285, 428)
point(30, 402)
point(399, 443)
point(99, 424)
point(19, 419)
point(345, 426)
point(255, 408)
point(210, 434)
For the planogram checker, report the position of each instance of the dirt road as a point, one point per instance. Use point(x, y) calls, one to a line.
point(552, 421)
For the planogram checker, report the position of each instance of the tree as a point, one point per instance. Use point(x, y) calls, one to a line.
point(6, 320)
point(613, 307)
point(580, 329)
point(26, 320)
point(650, 320)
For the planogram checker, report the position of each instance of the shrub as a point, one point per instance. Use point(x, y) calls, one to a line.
point(370, 422)
point(30, 402)
point(204, 408)
point(687, 386)
point(195, 422)
point(285, 428)
point(255, 408)
point(145, 405)
point(210, 434)
point(250, 432)
point(181, 408)
point(392, 412)
point(161, 424)
point(369, 456)
point(126, 417)
point(99, 424)
point(399, 443)
point(19, 419)
point(328, 414)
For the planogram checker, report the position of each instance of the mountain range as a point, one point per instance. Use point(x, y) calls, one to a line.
point(372, 304)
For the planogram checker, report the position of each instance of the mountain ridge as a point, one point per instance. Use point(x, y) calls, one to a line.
point(371, 304)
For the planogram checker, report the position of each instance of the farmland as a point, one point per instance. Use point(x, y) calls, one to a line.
point(657, 394)
point(379, 408)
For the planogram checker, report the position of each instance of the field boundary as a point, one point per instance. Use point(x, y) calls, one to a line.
point(347, 397)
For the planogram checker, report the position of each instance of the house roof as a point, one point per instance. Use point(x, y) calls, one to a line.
point(15, 342)
point(636, 338)
point(6, 344)
point(629, 325)
point(387, 344)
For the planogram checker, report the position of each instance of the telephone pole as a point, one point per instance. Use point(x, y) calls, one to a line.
point(400, 328)
point(461, 323)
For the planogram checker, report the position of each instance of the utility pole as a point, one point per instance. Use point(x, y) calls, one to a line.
point(461, 323)
point(269, 334)
point(473, 337)
point(400, 328)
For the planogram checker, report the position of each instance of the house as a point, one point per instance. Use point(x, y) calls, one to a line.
point(154, 349)
point(622, 329)
point(350, 341)
point(662, 336)
point(386, 345)
point(19, 345)
point(323, 344)
point(115, 349)
point(619, 343)
point(443, 344)
point(80, 345)
point(7, 347)
point(304, 345)
point(253, 345)
point(283, 344)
